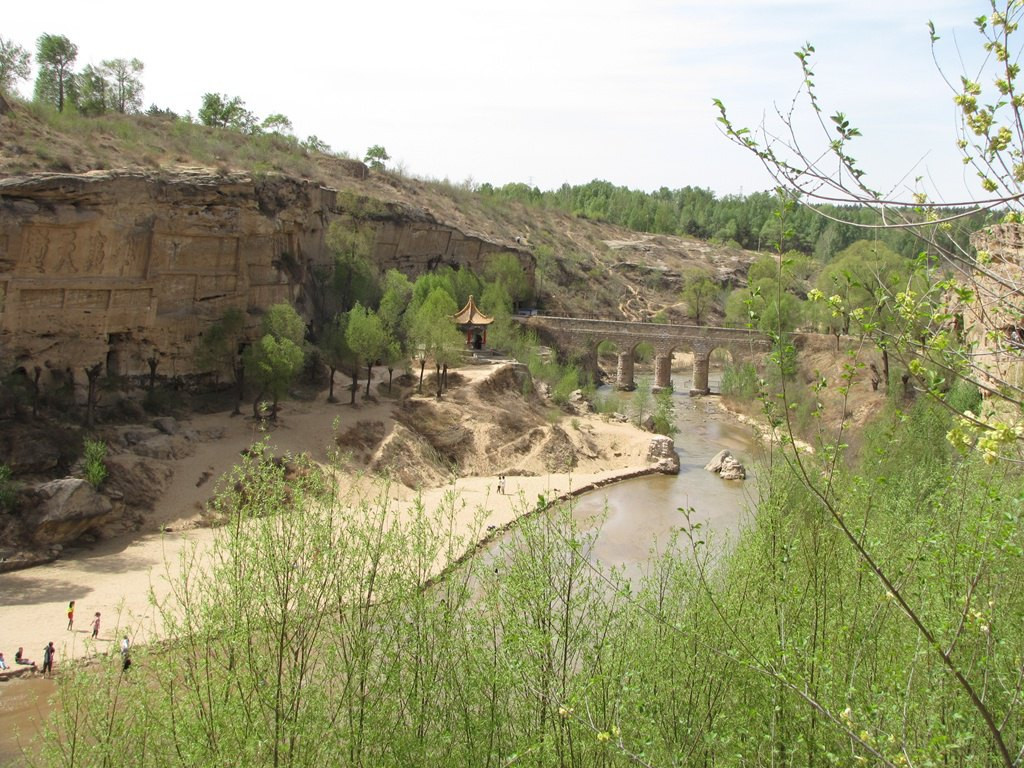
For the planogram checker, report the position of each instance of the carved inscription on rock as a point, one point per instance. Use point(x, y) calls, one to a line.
point(425, 242)
point(197, 254)
point(80, 298)
point(43, 298)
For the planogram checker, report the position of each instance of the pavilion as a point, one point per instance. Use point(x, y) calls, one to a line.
point(472, 322)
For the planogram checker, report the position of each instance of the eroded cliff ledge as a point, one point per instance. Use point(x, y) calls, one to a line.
point(120, 267)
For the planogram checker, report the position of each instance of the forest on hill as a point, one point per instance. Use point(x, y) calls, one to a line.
point(744, 221)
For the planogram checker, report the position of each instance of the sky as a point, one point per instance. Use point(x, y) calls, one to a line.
point(550, 91)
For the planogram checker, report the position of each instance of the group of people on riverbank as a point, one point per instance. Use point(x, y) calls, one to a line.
point(50, 651)
point(20, 659)
point(71, 621)
point(126, 660)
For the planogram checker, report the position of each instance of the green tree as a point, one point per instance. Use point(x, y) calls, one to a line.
point(376, 156)
point(505, 268)
point(354, 279)
point(641, 400)
point(764, 306)
point(55, 83)
point(367, 338)
point(314, 144)
point(434, 334)
point(92, 91)
point(426, 284)
point(276, 358)
point(221, 111)
point(218, 350)
point(664, 413)
point(464, 283)
point(856, 274)
point(333, 345)
point(15, 64)
point(396, 317)
point(394, 303)
point(698, 292)
point(276, 123)
point(125, 84)
point(394, 356)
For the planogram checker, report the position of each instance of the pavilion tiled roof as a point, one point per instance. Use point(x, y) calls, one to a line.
point(471, 315)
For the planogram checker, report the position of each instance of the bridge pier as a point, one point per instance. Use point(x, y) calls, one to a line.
point(624, 371)
point(662, 372)
point(701, 361)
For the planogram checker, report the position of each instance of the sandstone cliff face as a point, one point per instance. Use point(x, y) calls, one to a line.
point(120, 267)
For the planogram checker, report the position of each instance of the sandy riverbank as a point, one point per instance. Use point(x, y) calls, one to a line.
point(115, 576)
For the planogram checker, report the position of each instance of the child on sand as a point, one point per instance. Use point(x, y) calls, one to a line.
point(96, 626)
point(71, 615)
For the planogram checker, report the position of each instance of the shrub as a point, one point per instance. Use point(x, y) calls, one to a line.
point(664, 413)
point(568, 383)
point(964, 396)
point(95, 468)
point(740, 381)
point(609, 403)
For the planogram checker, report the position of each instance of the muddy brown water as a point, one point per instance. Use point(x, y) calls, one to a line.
point(24, 705)
point(637, 517)
point(633, 518)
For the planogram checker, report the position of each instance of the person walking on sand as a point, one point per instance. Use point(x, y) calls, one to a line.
point(71, 615)
point(96, 626)
point(48, 653)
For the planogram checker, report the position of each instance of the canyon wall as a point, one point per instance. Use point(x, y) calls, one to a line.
point(121, 267)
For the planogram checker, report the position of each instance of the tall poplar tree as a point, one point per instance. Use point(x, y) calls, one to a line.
point(15, 64)
point(55, 83)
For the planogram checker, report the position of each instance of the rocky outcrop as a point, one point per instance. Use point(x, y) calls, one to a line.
point(64, 509)
point(140, 480)
point(726, 466)
point(120, 268)
point(35, 449)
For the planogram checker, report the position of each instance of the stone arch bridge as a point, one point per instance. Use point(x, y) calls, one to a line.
point(577, 334)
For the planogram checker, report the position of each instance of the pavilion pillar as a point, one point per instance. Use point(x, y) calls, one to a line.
point(662, 372)
point(624, 371)
point(701, 362)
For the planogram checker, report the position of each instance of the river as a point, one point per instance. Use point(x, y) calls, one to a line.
point(635, 517)
point(640, 514)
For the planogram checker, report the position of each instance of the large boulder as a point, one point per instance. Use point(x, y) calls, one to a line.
point(64, 509)
point(139, 479)
point(726, 466)
point(662, 451)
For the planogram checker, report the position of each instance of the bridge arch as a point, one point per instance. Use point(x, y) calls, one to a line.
point(700, 340)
